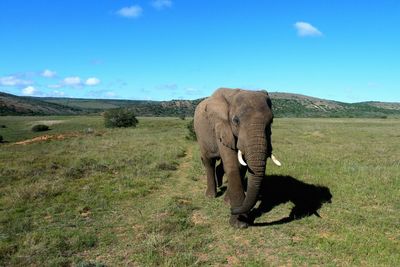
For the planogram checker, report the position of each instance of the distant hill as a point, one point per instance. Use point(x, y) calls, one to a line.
point(19, 105)
point(284, 105)
point(295, 105)
point(141, 107)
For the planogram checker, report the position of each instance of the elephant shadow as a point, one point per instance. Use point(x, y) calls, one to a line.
point(280, 189)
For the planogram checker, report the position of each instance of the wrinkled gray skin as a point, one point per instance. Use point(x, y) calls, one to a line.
point(228, 121)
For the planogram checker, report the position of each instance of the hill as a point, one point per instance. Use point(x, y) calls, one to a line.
point(295, 105)
point(284, 104)
point(141, 107)
point(19, 105)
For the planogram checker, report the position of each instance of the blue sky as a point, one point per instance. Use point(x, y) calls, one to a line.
point(185, 49)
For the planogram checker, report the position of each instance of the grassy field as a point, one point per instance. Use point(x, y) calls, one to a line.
point(135, 197)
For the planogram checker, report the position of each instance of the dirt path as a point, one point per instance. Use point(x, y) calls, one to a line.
point(181, 175)
point(175, 221)
point(47, 137)
point(138, 219)
point(180, 184)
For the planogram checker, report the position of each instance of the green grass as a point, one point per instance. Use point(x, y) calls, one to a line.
point(136, 196)
point(20, 127)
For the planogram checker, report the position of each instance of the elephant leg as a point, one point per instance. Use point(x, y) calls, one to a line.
point(243, 220)
point(235, 191)
point(209, 164)
point(242, 171)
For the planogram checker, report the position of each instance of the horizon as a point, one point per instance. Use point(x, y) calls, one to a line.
point(164, 50)
point(193, 99)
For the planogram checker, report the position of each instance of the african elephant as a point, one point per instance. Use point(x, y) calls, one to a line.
point(234, 125)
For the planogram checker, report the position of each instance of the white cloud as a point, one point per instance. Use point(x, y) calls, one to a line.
point(306, 29)
point(134, 11)
point(30, 90)
point(48, 73)
point(161, 4)
point(92, 81)
point(73, 81)
point(13, 81)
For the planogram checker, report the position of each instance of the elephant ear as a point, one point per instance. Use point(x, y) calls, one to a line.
point(225, 135)
point(217, 113)
point(268, 100)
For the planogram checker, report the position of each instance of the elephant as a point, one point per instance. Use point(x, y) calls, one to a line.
point(234, 126)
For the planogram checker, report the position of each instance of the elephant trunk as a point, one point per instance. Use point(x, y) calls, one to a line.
point(256, 157)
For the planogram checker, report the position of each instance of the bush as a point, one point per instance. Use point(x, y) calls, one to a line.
point(120, 117)
point(40, 128)
point(192, 134)
point(3, 126)
point(1, 139)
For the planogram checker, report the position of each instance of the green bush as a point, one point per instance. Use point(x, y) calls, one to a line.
point(40, 128)
point(1, 139)
point(191, 135)
point(121, 117)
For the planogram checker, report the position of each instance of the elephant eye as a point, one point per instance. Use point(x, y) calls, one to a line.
point(236, 120)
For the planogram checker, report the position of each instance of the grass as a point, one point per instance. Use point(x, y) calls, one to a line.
point(20, 127)
point(136, 196)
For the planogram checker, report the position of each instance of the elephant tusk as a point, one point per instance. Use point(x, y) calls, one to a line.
point(240, 158)
point(276, 161)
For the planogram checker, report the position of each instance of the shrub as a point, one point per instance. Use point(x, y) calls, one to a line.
point(1, 139)
point(40, 128)
point(3, 126)
point(121, 117)
point(191, 135)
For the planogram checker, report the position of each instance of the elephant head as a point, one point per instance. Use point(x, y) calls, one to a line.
point(242, 122)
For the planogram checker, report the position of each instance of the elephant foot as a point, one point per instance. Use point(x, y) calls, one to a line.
point(238, 221)
point(211, 193)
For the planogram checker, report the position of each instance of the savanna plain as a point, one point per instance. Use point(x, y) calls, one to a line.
point(86, 195)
